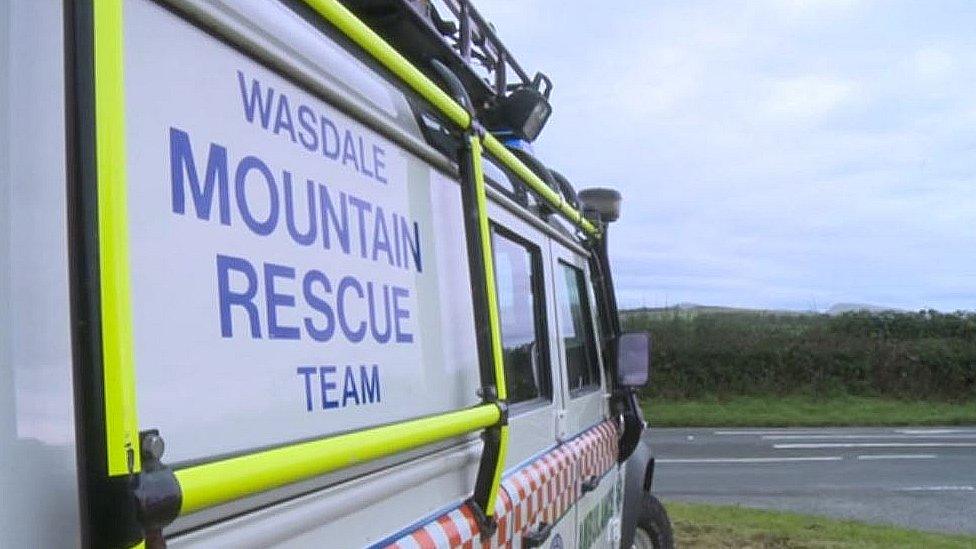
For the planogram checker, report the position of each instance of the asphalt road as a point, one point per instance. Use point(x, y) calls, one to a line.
point(921, 478)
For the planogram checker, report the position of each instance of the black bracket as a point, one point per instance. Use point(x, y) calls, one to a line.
point(487, 526)
point(538, 536)
point(156, 493)
point(503, 411)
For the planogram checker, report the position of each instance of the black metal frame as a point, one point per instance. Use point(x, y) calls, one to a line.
point(540, 321)
point(461, 42)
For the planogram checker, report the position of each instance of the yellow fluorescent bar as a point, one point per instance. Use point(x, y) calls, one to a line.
point(372, 43)
point(499, 151)
point(121, 424)
point(351, 26)
point(223, 481)
point(493, 319)
point(489, 261)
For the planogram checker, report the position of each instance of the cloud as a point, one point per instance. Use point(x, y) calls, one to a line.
point(809, 96)
point(932, 63)
point(770, 154)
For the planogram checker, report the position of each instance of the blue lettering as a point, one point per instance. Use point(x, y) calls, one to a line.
point(357, 335)
point(249, 163)
point(402, 336)
point(319, 304)
point(381, 238)
point(328, 212)
point(308, 372)
point(306, 119)
point(396, 239)
point(361, 208)
point(412, 243)
point(349, 150)
point(362, 155)
point(274, 300)
point(378, 163)
point(326, 386)
point(243, 299)
point(380, 337)
point(181, 162)
point(283, 117)
point(349, 387)
point(328, 127)
point(308, 237)
point(254, 100)
point(370, 389)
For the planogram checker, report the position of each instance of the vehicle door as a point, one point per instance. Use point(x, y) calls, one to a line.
point(586, 427)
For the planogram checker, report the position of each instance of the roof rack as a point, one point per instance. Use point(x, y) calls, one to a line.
point(461, 39)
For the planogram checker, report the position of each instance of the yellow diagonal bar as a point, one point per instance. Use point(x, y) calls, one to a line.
point(350, 25)
point(361, 34)
point(497, 357)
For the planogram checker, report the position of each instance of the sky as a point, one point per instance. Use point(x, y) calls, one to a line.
point(781, 154)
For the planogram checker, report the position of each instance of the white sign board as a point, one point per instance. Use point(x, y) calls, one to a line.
point(294, 273)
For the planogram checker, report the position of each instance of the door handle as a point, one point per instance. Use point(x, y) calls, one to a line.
point(590, 484)
point(538, 536)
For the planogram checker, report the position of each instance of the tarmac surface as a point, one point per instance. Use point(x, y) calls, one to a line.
point(922, 478)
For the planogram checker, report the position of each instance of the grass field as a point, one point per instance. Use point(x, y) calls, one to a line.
point(713, 526)
point(800, 411)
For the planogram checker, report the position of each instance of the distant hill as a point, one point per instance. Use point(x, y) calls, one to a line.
point(841, 308)
point(693, 309)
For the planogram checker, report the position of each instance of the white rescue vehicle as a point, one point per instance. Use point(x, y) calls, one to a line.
point(285, 273)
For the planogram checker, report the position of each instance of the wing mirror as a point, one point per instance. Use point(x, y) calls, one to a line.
point(633, 359)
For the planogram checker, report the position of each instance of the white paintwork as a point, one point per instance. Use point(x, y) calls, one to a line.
point(206, 396)
point(377, 498)
point(246, 393)
point(38, 477)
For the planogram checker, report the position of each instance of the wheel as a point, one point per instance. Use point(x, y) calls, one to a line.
point(653, 526)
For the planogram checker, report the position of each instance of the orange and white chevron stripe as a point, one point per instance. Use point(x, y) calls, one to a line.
point(541, 491)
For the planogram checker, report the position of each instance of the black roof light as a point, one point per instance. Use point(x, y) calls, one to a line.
point(523, 112)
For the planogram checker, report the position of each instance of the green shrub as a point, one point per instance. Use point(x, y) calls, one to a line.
point(926, 355)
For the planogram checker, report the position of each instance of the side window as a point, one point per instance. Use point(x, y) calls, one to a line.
point(518, 279)
point(576, 329)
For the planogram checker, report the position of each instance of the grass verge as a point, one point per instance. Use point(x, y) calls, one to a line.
point(803, 411)
point(711, 526)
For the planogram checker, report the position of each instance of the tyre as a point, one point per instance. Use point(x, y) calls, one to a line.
point(653, 526)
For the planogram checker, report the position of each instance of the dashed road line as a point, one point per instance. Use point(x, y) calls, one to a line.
point(935, 431)
point(750, 460)
point(765, 432)
point(937, 489)
point(868, 437)
point(821, 445)
point(868, 457)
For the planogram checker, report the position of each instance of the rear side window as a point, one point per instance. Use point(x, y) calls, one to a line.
point(576, 329)
point(518, 279)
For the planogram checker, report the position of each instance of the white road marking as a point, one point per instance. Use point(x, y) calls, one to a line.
point(937, 489)
point(871, 436)
point(935, 431)
point(767, 432)
point(812, 446)
point(896, 456)
point(751, 460)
